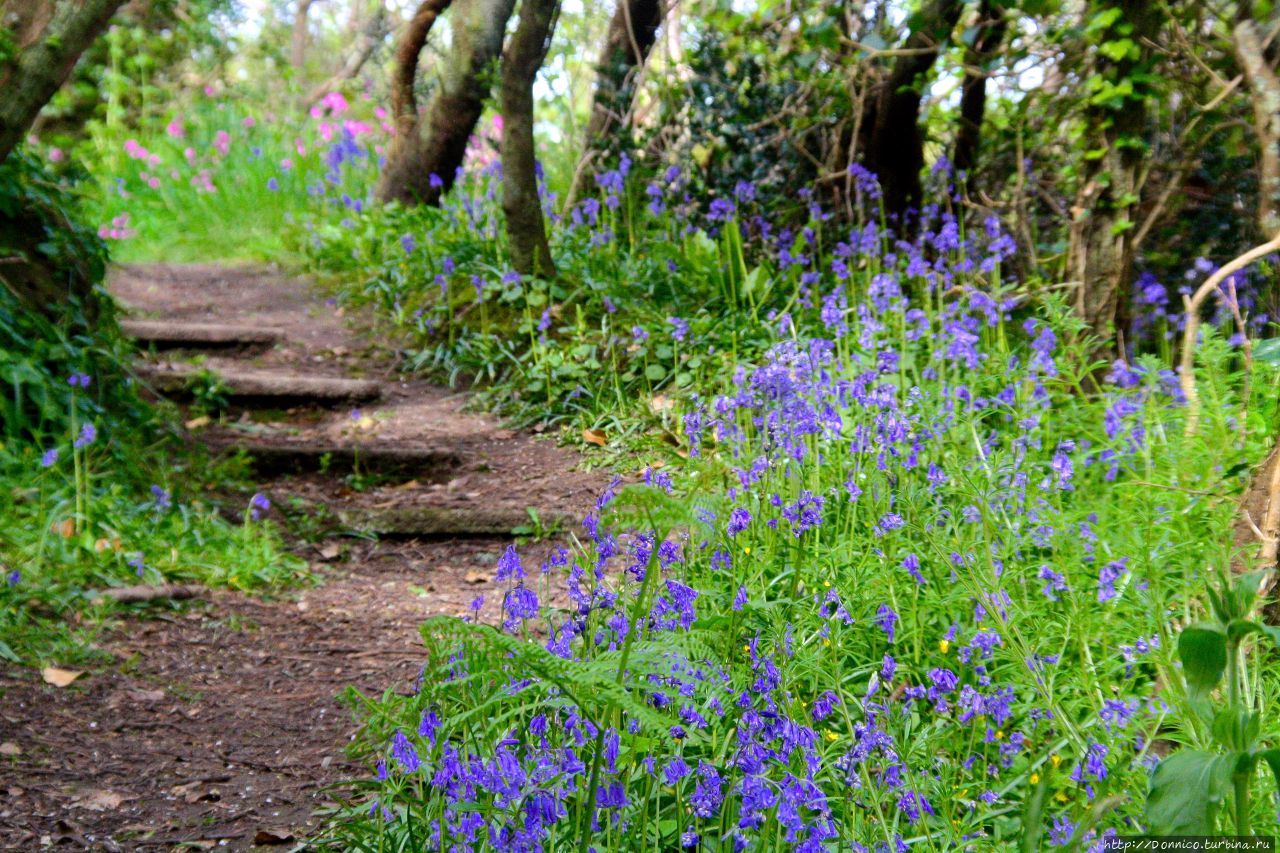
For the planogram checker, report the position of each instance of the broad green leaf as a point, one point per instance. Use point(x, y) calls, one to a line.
point(1203, 650)
point(1235, 728)
point(1268, 351)
point(1186, 790)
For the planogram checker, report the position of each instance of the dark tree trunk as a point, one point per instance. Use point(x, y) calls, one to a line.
point(630, 37)
point(893, 143)
point(437, 144)
point(1101, 253)
point(48, 36)
point(973, 89)
point(526, 230)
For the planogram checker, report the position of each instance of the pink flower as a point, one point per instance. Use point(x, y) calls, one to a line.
point(222, 141)
point(326, 131)
point(286, 163)
point(189, 153)
point(335, 102)
point(249, 121)
point(379, 113)
point(357, 128)
point(56, 155)
point(175, 129)
point(208, 91)
point(154, 183)
point(497, 123)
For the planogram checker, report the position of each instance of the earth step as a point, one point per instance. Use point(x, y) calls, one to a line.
point(168, 335)
point(423, 463)
point(437, 521)
point(267, 388)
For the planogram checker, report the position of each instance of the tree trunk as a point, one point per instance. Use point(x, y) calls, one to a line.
point(298, 47)
point(1101, 253)
point(973, 89)
point(435, 146)
point(632, 31)
point(526, 230)
point(48, 37)
point(893, 144)
point(1264, 96)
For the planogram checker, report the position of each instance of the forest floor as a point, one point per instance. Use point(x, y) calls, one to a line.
point(217, 724)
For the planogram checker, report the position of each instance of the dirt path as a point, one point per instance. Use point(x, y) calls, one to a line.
point(218, 726)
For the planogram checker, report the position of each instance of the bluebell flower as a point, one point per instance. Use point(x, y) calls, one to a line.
point(88, 432)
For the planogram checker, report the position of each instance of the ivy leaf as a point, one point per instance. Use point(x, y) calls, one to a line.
point(1186, 790)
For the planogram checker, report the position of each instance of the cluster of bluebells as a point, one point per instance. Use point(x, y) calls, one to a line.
point(902, 492)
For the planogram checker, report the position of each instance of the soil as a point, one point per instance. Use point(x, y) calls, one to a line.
point(218, 723)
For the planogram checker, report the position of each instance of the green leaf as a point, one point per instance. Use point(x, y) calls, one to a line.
point(1245, 591)
point(1186, 790)
point(1118, 49)
point(1236, 728)
point(655, 372)
point(1272, 757)
point(1203, 650)
point(1267, 351)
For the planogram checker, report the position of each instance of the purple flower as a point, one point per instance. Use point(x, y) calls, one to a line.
point(1107, 578)
point(740, 599)
point(886, 620)
point(78, 380)
point(88, 433)
point(679, 328)
point(914, 806)
point(162, 498)
point(824, 705)
point(429, 726)
point(49, 458)
point(402, 750)
point(521, 605)
point(739, 518)
point(258, 504)
point(509, 567)
point(721, 210)
point(408, 244)
point(1054, 583)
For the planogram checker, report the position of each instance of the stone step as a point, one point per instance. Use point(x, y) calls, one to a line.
point(265, 388)
point(166, 335)
point(425, 464)
point(437, 521)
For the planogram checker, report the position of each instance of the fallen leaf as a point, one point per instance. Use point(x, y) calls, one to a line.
point(272, 836)
point(59, 677)
point(65, 528)
point(99, 801)
point(197, 423)
point(660, 403)
point(476, 577)
point(8, 748)
point(330, 550)
point(411, 484)
point(594, 436)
